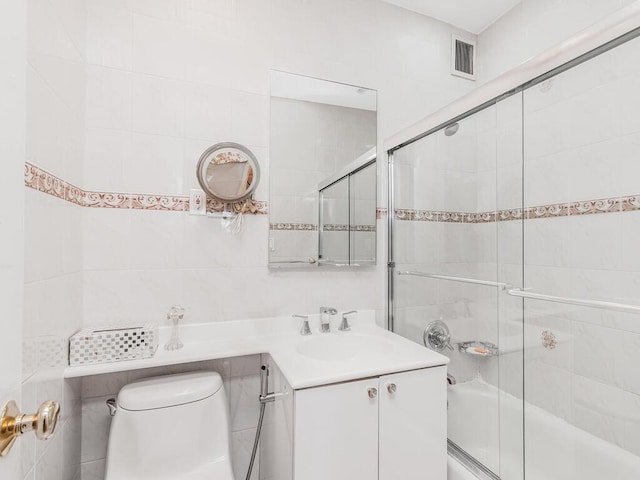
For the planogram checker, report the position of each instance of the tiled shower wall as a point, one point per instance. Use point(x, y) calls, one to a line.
point(53, 247)
point(582, 142)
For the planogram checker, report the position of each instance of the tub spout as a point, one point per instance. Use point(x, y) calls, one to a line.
point(451, 380)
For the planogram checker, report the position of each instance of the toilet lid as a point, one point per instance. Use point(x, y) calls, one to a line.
point(169, 390)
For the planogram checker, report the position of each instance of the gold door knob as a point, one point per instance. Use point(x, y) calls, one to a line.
point(13, 423)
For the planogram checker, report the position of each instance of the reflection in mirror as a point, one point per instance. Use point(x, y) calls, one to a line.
point(228, 172)
point(362, 205)
point(318, 128)
point(334, 224)
point(347, 232)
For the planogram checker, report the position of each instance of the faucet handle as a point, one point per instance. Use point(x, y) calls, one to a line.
point(176, 312)
point(344, 325)
point(305, 330)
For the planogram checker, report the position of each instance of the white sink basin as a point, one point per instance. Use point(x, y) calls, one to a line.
point(338, 347)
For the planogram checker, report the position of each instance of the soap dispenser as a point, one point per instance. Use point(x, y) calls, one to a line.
point(176, 313)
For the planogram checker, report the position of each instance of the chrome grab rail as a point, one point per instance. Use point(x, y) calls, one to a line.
point(311, 261)
point(515, 292)
point(618, 307)
point(473, 281)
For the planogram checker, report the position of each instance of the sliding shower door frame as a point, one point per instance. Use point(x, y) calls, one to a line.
point(464, 458)
point(390, 153)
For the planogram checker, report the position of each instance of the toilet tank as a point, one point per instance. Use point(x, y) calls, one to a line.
point(171, 427)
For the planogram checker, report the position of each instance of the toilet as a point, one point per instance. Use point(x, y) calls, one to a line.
point(171, 427)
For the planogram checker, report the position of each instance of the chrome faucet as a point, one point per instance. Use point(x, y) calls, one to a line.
point(305, 330)
point(344, 325)
point(325, 324)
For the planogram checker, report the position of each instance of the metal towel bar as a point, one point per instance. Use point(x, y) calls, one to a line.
point(473, 281)
point(618, 307)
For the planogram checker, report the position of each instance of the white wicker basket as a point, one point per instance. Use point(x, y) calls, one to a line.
point(113, 344)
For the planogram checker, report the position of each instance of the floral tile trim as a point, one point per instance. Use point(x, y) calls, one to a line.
point(43, 181)
point(363, 228)
point(630, 204)
point(159, 202)
point(556, 210)
point(306, 227)
point(106, 200)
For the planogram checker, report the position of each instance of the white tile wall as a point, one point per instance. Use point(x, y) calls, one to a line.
point(576, 149)
point(12, 148)
point(56, 79)
point(178, 77)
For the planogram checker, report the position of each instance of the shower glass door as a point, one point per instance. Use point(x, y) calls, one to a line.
point(582, 248)
point(456, 244)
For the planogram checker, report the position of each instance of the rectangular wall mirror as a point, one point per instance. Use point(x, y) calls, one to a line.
point(323, 137)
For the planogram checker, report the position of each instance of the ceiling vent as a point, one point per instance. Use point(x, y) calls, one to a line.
point(463, 57)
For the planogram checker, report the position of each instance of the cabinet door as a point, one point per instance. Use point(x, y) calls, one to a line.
point(336, 432)
point(413, 425)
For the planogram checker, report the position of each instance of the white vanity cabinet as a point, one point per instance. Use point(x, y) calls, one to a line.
point(383, 428)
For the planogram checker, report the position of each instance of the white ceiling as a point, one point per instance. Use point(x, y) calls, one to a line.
point(470, 15)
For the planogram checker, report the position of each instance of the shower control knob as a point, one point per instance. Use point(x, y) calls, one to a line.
point(391, 388)
point(372, 392)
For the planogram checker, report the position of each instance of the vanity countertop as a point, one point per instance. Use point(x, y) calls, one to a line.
point(306, 361)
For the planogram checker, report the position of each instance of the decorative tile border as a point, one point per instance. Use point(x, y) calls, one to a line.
point(335, 227)
point(310, 227)
point(587, 207)
point(43, 181)
point(106, 200)
point(363, 228)
point(305, 227)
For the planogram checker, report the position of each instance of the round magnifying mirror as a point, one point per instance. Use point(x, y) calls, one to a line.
point(228, 172)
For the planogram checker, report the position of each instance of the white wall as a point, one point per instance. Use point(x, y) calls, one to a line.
point(531, 27)
point(165, 81)
point(55, 82)
point(12, 151)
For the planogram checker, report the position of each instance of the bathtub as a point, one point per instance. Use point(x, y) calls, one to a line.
point(456, 471)
point(555, 449)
